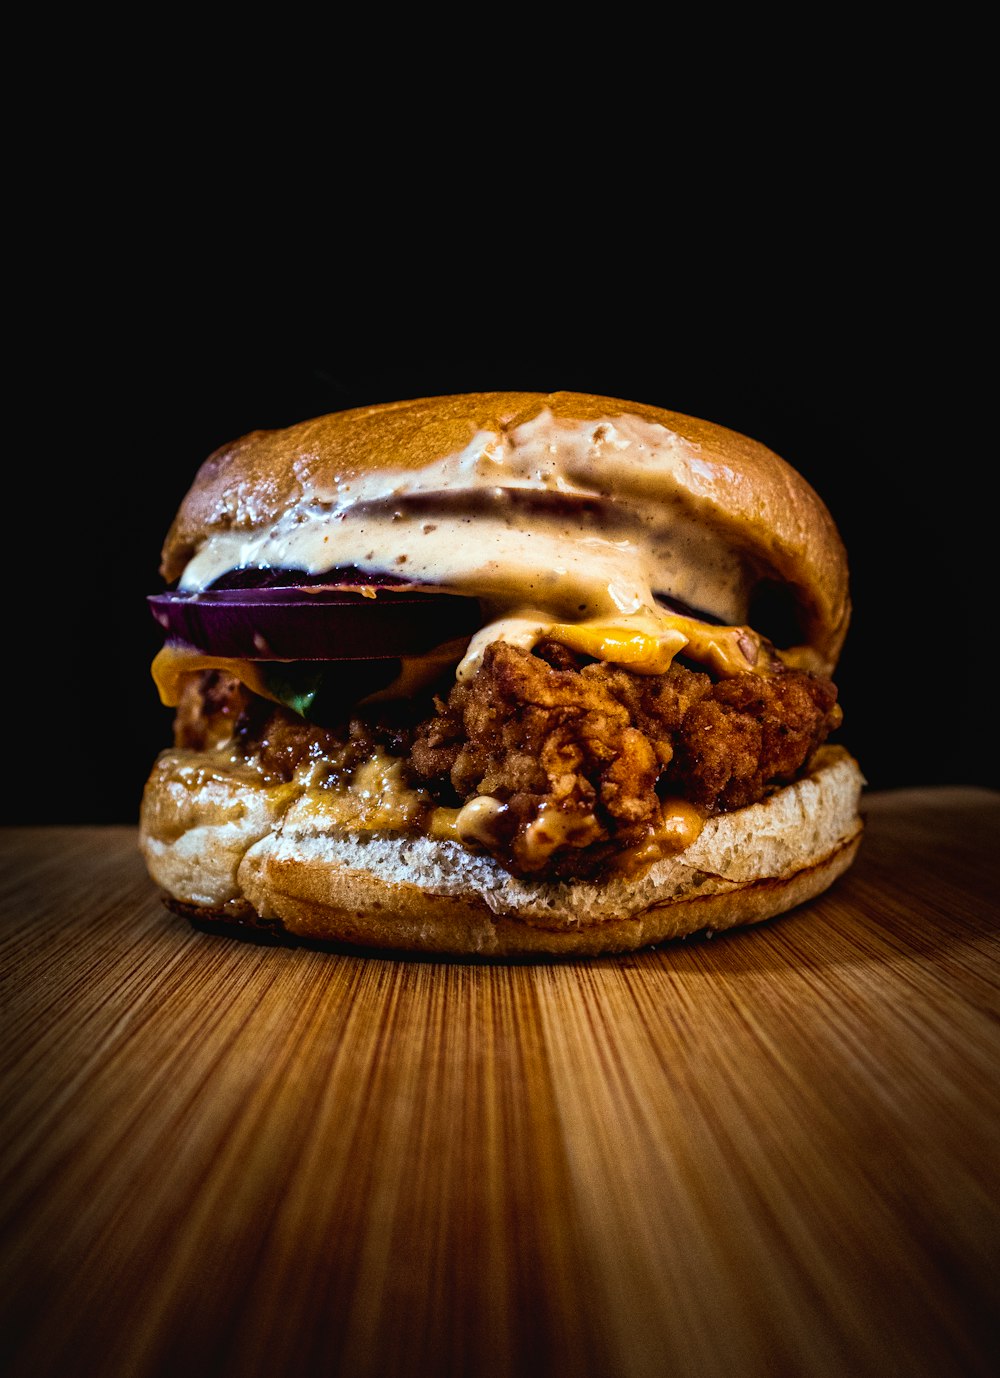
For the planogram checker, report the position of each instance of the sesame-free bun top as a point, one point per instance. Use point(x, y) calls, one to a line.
point(765, 509)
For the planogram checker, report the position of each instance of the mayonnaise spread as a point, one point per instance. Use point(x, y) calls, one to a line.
point(561, 528)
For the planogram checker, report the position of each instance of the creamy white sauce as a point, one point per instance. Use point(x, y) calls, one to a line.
point(624, 534)
point(476, 819)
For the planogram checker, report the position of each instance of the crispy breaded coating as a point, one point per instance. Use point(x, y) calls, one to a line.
point(582, 754)
point(600, 743)
point(211, 704)
point(215, 709)
point(748, 733)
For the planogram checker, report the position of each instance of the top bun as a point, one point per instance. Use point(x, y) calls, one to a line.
point(768, 510)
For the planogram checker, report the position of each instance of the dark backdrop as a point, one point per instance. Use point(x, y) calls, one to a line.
point(873, 400)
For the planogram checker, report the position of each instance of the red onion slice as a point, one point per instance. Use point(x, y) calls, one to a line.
point(316, 622)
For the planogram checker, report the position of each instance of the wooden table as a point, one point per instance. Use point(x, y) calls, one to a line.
point(771, 1153)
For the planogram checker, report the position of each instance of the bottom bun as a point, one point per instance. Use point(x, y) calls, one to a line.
point(226, 851)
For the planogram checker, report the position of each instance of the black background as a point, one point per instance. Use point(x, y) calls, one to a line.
point(866, 385)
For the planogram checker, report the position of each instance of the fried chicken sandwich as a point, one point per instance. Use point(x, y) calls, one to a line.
point(500, 673)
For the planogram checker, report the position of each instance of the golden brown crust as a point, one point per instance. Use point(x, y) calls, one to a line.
point(405, 918)
point(774, 516)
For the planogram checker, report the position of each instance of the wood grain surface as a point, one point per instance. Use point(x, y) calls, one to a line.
point(770, 1153)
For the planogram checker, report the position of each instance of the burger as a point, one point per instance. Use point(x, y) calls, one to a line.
point(500, 673)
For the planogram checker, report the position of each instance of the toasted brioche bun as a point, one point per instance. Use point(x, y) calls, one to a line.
point(225, 850)
point(766, 508)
